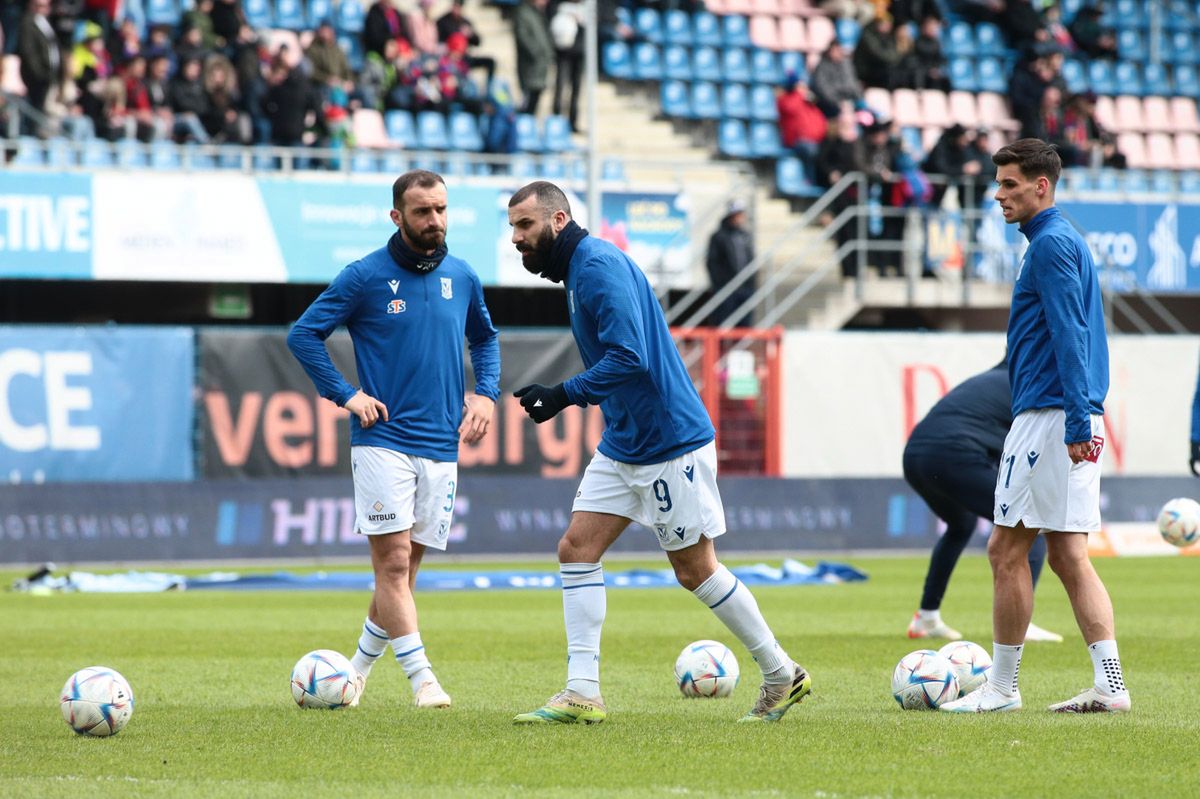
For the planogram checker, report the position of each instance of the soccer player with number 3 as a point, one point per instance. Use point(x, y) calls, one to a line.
point(656, 463)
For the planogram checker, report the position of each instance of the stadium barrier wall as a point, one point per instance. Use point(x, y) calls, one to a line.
point(851, 399)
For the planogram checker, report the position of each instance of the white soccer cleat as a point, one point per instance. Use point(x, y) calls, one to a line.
point(360, 685)
point(984, 700)
point(431, 694)
point(1035, 633)
point(919, 628)
point(1092, 701)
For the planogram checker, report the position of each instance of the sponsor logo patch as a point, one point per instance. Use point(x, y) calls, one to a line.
point(395, 306)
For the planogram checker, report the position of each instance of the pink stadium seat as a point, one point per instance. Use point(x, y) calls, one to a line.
point(1160, 151)
point(1183, 115)
point(798, 8)
point(906, 108)
point(792, 35)
point(993, 112)
point(996, 139)
point(10, 76)
point(368, 128)
point(715, 6)
point(743, 7)
point(879, 100)
point(1187, 151)
point(820, 34)
point(765, 33)
point(935, 108)
point(1128, 115)
point(963, 109)
point(277, 38)
point(1156, 113)
point(929, 137)
point(769, 7)
point(1106, 113)
point(1133, 146)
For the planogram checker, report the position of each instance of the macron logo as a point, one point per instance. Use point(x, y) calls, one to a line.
point(688, 472)
point(394, 285)
point(1032, 458)
point(1003, 509)
point(537, 404)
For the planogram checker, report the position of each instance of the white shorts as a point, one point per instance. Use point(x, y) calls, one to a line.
point(678, 499)
point(1037, 483)
point(394, 492)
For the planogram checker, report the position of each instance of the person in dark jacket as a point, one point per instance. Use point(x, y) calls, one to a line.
point(535, 51)
point(876, 56)
point(730, 250)
point(383, 22)
point(289, 102)
point(37, 46)
point(961, 158)
point(951, 461)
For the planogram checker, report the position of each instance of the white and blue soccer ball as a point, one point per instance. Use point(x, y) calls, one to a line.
point(325, 680)
point(970, 662)
point(924, 680)
point(96, 701)
point(1179, 522)
point(706, 669)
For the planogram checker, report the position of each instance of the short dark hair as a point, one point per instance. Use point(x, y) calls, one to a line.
point(1034, 157)
point(421, 178)
point(550, 198)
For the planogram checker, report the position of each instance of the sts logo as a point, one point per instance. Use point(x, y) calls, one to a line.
point(395, 306)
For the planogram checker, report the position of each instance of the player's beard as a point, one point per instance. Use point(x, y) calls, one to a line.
point(422, 241)
point(536, 259)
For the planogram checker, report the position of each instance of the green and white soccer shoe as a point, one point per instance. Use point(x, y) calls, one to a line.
point(775, 699)
point(566, 707)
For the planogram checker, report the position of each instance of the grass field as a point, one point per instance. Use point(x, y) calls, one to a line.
point(214, 716)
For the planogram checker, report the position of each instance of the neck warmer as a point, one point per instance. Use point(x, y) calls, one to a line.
point(561, 251)
point(412, 260)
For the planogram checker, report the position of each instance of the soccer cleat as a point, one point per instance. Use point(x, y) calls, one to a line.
point(1092, 701)
point(360, 683)
point(776, 699)
point(1035, 633)
point(566, 707)
point(918, 628)
point(430, 694)
point(984, 700)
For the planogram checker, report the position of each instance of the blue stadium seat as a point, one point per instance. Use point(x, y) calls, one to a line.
point(164, 155)
point(1074, 75)
point(735, 66)
point(677, 27)
point(229, 157)
point(320, 10)
point(989, 40)
point(962, 75)
point(613, 169)
point(910, 138)
point(289, 15)
point(350, 16)
point(793, 62)
point(556, 134)
point(732, 139)
point(847, 31)
point(623, 14)
point(792, 180)
point(528, 138)
point(647, 62)
point(163, 12)
point(431, 131)
point(648, 25)
point(29, 152)
point(705, 103)
point(958, 40)
point(131, 154)
point(1187, 82)
point(1128, 77)
point(991, 76)
point(706, 29)
point(706, 64)
point(1130, 12)
point(1179, 15)
point(1180, 48)
point(1136, 180)
point(677, 62)
point(764, 140)
point(1131, 44)
point(735, 101)
point(198, 160)
point(673, 95)
point(258, 13)
point(735, 32)
point(762, 103)
point(1108, 180)
point(464, 132)
point(1100, 77)
point(96, 153)
point(353, 47)
point(59, 154)
point(396, 162)
point(1189, 182)
point(552, 168)
point(1070, 8)
point(401, 128)
point(764, 67)
point(617, 61)
point(365, 161)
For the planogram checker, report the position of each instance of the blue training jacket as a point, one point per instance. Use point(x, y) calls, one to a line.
point(652, 412)
point(407, 330)
point(1057, 347)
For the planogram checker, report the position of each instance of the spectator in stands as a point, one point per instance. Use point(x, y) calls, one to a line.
point(382, 23)
point(802, 125)
point(499, 123)
point(1092, 38)
point(1047, 124)
point(191, 45)
point(102, 13)
point(535, 51)
point(1056, 32)
point(459, 91)
point(379, 81)
point(429, 84)
point(841, 154)
point(610, 25)
point(915, 11)
point(289, 105)
point(1025, 88)
point(102, 94)
point(189, 102)
point(928, 60)
point(250, 67)
point(62, 102)
point(1110, 156)
point(328, 67)
point(37, 47)
point(227, 21)
point(1084, 141)
point(862, 10)
point(140, 119)
point(730, 250)
point(961, 158)
point(881, 152)
point(454, 21)
point(567, 30)
point(1021, 23)
point(876, 57)
point(199, 17)
point(63, 16)
point(421, 28)
point(225, 121)
point(158, 73)
point(833, 81)
point(126, 42)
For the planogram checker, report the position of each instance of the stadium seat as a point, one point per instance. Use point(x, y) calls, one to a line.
point(935, 108)
point(1183, 115)
point(528, 138)
point(962, 75)
point(556, 134)
point(1127, 113)
point(673, 95)
point(677, 62)
point(29, 152)
point(131, 154)
point(1134, 180)
point(1187, 152)
point(706, 29)
point(912, 141)
point(365, 161)
point(1180, 48)
point(762, 103)
point(963, 109)
point(742, 8)
point(10, 75)
point(1131, 45)
point(1156, 75)
point(464, 132)
point(350, 16)
point(677, 27)
point(958, 40)
point(1128, 78)
point(792, 180)
point(401, 130)
point(792, 36)
point(551, 167)
point(320, 10)
point(988, 40)
point(1160, 151)
point(1133, 147)
point(799, 8)
point(880, 101)
point(906, 108)
point(163, 12)
point(1070, 8)
point(647, 61)
point(1179, 15)
point(820, 32)
point(764, 140)
point(1106, 112)
point(764, 32)
point(735, 101)
point(395, 162)
point(795, 63)
point(1100, 77)
point(1156, 114)
point(612, 169)
point(353, 47)
point(929, 139)
point(648, 25)
point(96, 153)
point(994, 113)
point(764, 67)
point(278, 38)
point(1107, 180)
point(770, 7)
point(289, 14)
point(732, 139)
point(1189, 182)
point(847, 31)
point(735, 66)
point(735, 32)
point(1075, 76)
point(991, 76)
point(369, 129)
point(258, 13)
point(1163, 181)
point(705, 102)
point(617, 61)
point(1186, 80)
point(59, 154)
point(706, 63)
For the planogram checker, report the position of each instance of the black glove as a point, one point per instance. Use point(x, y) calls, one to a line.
point(1195, 461)
point(542, 403)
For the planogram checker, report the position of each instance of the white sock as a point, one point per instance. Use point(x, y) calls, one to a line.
point(1006, 662)
point(929, 617)
point(371, 644)
point(735, 607)
point(410, 654)
point(1107, 667)
point(584, 606)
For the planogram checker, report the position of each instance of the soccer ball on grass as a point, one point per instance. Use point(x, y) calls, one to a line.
point(706, 669)
point(923, 680)
point(1179, 522)
point(970, 662)
point(96, 701)
point(325, 680)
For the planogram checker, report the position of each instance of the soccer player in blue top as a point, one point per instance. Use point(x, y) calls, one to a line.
point(656, 463)
point(1049, 477)
point(407, 306)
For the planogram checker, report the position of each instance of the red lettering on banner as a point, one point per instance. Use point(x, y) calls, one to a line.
point(234, 439)
point(909, 391)
point(1116, 441)
point(329, 416)
point(288, 415)
point(561, 453)
point(595, 428)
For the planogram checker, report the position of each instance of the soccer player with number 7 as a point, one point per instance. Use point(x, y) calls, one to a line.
point(656, 463)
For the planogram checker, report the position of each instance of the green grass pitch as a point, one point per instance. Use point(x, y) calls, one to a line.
point(214, 716)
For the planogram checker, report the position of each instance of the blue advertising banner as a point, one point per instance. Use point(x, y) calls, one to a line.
point(92, 404)
point(46, 225)
point(653, 230)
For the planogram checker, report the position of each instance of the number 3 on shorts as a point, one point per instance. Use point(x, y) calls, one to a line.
point(663, 494)
point(449, 499)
